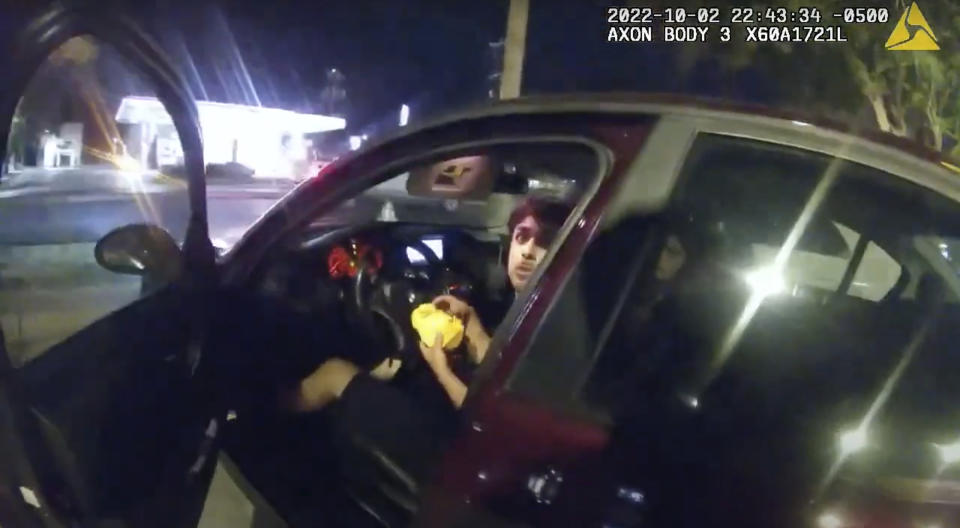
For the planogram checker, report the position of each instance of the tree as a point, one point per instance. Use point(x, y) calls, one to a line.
point(911, 93)
point(907, 93)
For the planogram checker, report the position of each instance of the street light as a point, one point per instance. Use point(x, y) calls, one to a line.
point(404, 115)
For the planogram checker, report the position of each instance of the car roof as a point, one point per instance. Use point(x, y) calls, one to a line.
point(706, 106)
point(682, 105)
point(893, 154)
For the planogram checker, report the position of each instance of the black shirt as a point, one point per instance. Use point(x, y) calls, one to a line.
point(428, 390)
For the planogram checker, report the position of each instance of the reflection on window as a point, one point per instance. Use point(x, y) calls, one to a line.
point(876, 273)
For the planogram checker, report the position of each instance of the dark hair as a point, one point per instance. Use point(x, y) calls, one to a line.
point(549, 214)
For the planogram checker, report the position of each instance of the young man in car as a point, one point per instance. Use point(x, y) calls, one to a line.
point(533, 226)
point(413, 426)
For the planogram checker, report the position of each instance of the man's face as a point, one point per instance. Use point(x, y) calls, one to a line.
point(526, 251)
point(671, 259)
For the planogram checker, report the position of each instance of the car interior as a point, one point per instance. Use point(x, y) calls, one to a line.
point(366, 265)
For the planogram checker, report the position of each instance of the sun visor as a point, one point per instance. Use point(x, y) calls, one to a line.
point(463, 178)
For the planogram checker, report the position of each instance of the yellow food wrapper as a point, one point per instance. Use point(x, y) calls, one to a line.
point(429, 321)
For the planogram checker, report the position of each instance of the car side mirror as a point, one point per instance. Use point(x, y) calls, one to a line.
point(140, 249)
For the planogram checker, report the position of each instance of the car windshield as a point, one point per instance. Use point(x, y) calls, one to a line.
point(391, 202)
point(507, 173)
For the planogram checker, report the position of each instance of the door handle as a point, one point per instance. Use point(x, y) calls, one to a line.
point(545, 486)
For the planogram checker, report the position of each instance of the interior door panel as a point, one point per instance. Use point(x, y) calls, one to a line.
point(114, 407)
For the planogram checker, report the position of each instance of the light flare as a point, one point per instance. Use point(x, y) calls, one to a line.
point(735, 333)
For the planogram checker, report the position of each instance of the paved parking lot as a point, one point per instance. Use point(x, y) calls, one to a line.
point(50, 220)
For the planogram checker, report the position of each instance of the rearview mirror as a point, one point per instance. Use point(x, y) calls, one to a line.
point(140, 249)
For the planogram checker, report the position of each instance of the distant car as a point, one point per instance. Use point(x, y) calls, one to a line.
point(747, 320)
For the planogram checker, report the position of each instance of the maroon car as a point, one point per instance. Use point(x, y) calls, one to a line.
point(745, 320)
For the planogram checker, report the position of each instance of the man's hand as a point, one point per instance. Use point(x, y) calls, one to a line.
point(477, 338)
point(434, 354)
point(454, 307)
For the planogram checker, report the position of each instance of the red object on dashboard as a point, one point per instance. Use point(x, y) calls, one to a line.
point(342, 262)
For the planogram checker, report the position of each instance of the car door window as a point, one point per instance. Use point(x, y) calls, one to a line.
point(81, 162)
point(821, 372)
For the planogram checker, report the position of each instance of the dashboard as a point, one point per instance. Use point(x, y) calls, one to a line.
point(344, 260)
point(317, 272)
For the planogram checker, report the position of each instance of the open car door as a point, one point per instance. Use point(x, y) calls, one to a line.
point(107, 425)
point(523, 437)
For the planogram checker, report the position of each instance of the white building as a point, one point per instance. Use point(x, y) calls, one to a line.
point(63, 149)
point(268, 140)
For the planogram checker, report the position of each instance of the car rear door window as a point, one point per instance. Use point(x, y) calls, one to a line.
point(876, 272)
point(787, 324)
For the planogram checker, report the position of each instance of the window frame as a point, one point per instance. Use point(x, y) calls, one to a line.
point(655, 172)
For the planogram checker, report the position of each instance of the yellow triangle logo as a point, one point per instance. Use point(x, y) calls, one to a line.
point(912, 32)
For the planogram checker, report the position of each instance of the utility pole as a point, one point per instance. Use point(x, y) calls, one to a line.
point(495, 69)
point(513, 49)
point(333, 96)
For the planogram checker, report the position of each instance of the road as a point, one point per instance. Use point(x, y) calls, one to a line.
point(57, 207)
point(50, 285)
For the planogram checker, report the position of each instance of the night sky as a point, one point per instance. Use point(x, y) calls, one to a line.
point(390, 52)
point(431, 55)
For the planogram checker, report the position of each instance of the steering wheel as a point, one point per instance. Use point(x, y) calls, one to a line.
point(379, 317)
